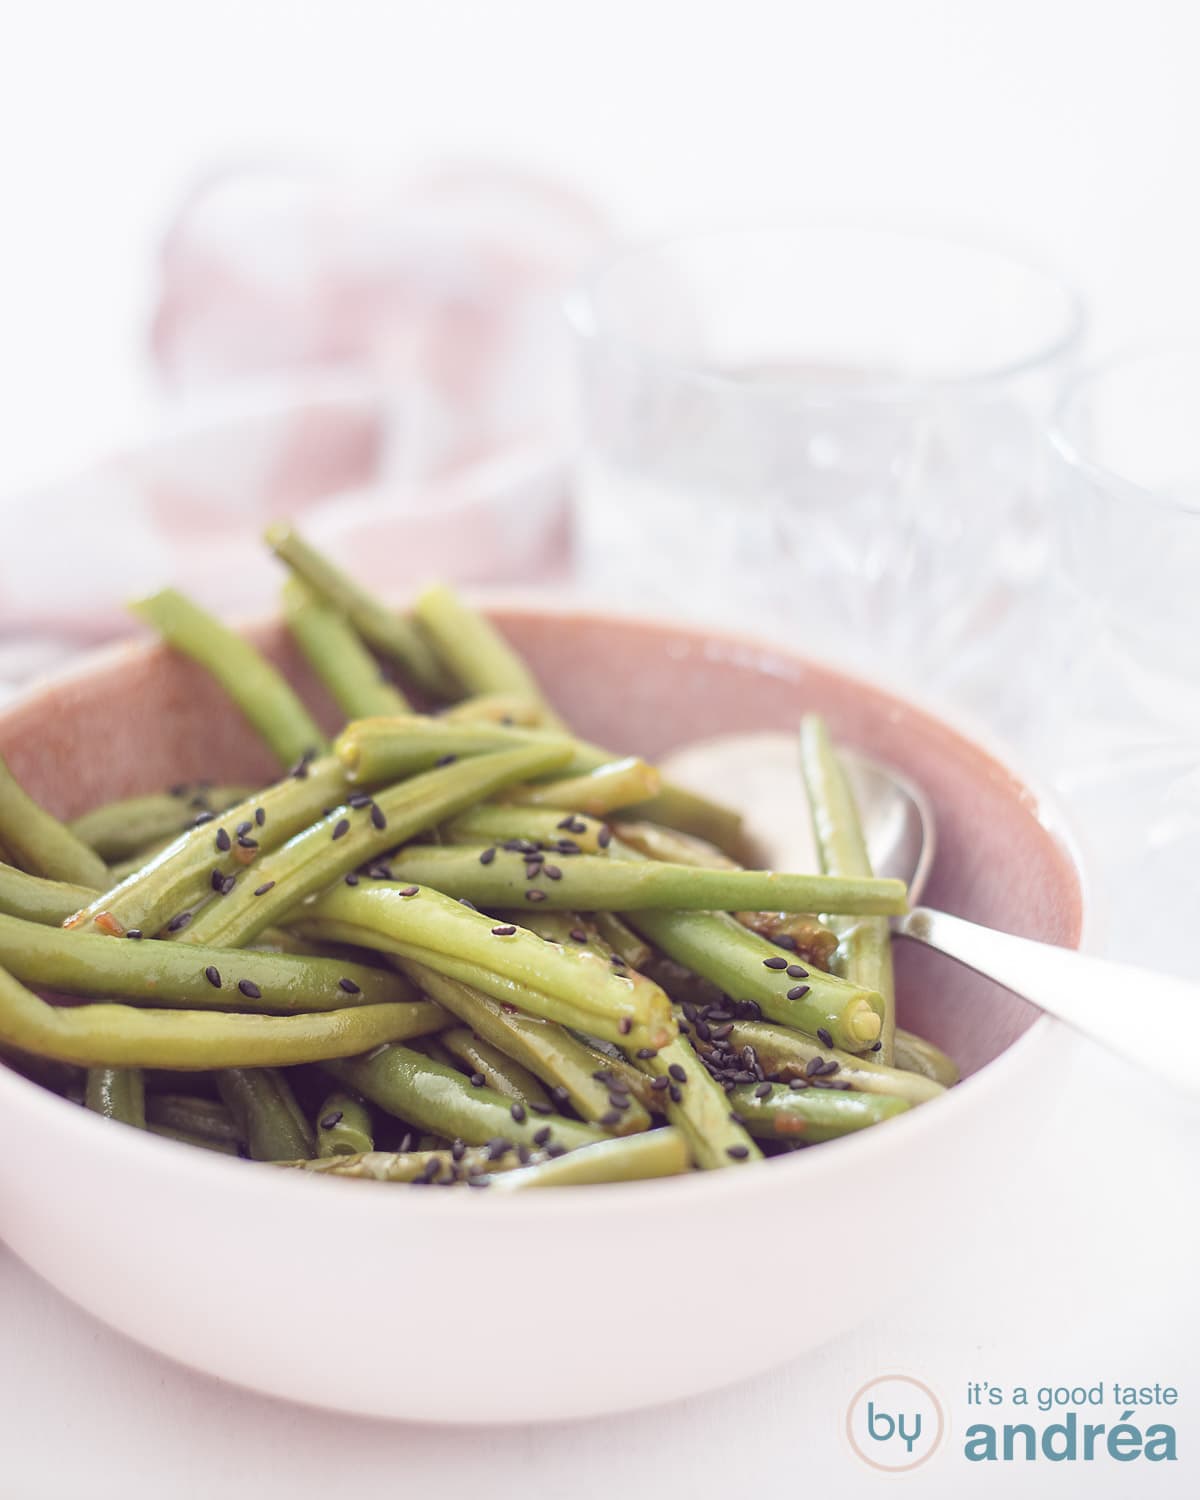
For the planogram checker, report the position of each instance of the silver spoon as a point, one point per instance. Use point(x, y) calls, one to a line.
point(1137, 1013)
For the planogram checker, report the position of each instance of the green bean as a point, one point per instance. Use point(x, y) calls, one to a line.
point(915, 1055)
point(118, 1094)
point(193, 1117)
point(550, 1052)
point(267, 1115)
point(812, 1114)
point(172, 975)
point(785, 1054)
point(594, 883)
point(336, 654)
point(119, 830)
point(494, 708)
point(262, 693)
point(189, 1138)
point(698, 1107)
point(40, 843)
point(390, 633)
point(38, 900)
point(121, 1036)
point(801, 934)
point(551, 828)
point(425, 1166)
point(122, 869)
point(575, 988)
point(478, 656)
point(619, 783)
point(621, 939)
point(182, 875)
point(432, 1097)
point(343, 1127)
point(499, 1072)
point(716, 947)
point(864, 954)
point(382, 749)
point(334, 845)
point(657, 1153)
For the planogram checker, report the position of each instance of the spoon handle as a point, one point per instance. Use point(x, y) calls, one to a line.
point(1135, 1012)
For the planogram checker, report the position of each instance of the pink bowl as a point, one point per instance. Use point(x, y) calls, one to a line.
point(228, 1267)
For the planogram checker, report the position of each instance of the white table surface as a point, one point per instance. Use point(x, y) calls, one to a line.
point(1088, 1271)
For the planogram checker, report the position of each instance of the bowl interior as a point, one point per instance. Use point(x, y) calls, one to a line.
point(144, 718)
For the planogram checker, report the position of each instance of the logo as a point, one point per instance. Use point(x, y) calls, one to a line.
point(895, 1423)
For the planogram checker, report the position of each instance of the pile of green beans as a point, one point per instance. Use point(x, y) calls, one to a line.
point(424, 954)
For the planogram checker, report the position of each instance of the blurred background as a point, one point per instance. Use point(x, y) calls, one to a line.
point(280, 258)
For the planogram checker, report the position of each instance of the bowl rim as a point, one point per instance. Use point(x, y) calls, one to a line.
point(689, 1189)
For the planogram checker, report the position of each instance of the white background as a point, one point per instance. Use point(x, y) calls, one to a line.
point(1068, 129)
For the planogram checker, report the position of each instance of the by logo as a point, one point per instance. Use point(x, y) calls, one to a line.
point(895, 1423)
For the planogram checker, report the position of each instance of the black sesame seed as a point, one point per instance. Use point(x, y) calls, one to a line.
point(602, 1075)
point(497, 1147)
point(658, 1084)
point(577, 935)
point(518, 1112)
point(618, 1099)
point(506, 930)
point(223, 840)
point(470, 905)
point(532, 870)
point(478, 1182)
point(739, 1153)
point(487, 856)
point(249, 989)
point(213, 975)
point(201, 818)
point(762, 1090)
point(135, 933)
point(624, 1025)
point(261, 890)
point(349, 986)
point(782, 940)
point(179, 921)
point(217, 879)
point(541, 1136)
point(556, 1148)
point(568, 823)
point(675, 1093)
point(477, 1080)
point(823, 1037)
point(352, 878)
point(877, 1047)
point(377, 816)
point(796, 972)
point(798, 991)
point(409, 890)
point(775, 962)
point(342, 826)
point(646, 1052)
point(561, 1094)
point(814, 1067)
point(260, 815)
point(334, 1117)
point(552, 872)
point(228, 884)
point(357, 800)
point(542, 1109)
point(244, 826)
point(678, 1072)
point(458, 1149)
point(532, 895)
point(445, 760)
point(721, 1032)
point(610, 1117)
point(831, 1066)
point(566, 846)
point(798, 1083)
point(603, 838)
point(703, 1031)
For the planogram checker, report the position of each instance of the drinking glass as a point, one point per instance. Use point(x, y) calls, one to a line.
point(835, 435)
point(1125, 738)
